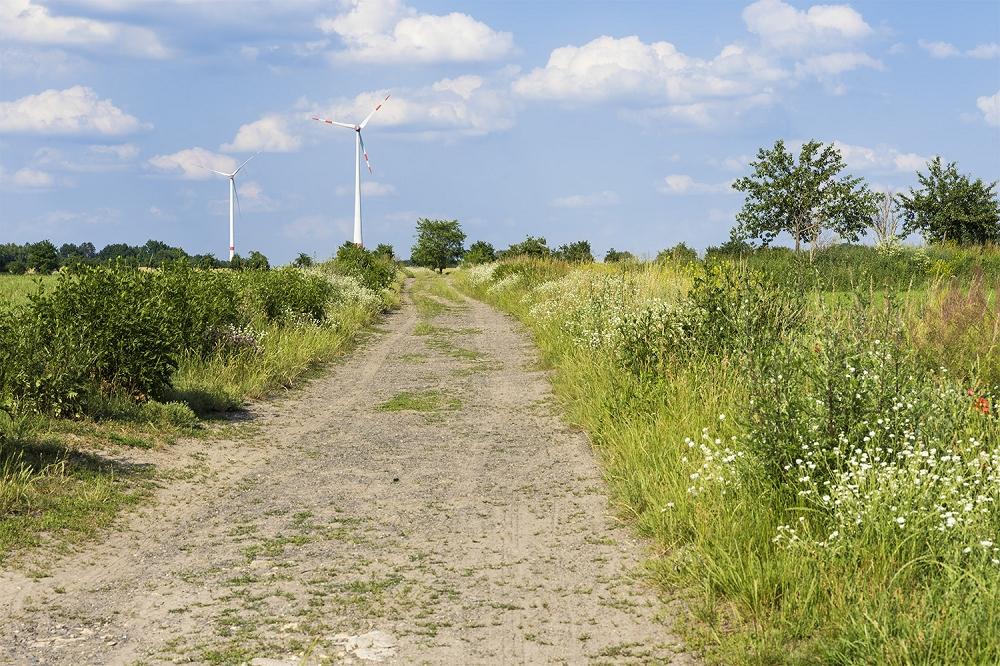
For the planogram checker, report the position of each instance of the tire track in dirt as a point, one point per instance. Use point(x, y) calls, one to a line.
point(477, 532)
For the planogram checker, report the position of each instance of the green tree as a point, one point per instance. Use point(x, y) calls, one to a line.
point(237, 262)
point(680, 253)
point(480, 252)
point(439, 244)
point(614, 256)
point(385, 250)
point(803, 198)
point(950, 206)
point(577, 252)
point(257, 262)
point(302, 261)
point(372, 270)
point(531, 246)
point(42, 257)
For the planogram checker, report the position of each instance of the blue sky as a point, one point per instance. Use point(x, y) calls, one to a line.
point(622, 123)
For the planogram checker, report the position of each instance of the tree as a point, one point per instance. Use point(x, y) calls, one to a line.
point(885, 221)
point(236, 263)
point(42, 257)
point(257, 262)
point(480, 252)
point(679, 253)
point(531, 246)
point(614, 256)
point(302, 261)
point(951, 206)
point(578, 252)
point(803, 199)
point(385, 250)
point(439, 244)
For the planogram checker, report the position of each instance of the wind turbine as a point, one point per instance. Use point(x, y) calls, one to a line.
point(232, 195)
point(359, 150)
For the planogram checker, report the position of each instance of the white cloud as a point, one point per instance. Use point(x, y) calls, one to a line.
point(605, 198)
point(369, 188)
point(880, 158)
point(684, 184)
point(388, 31)
point(736, 162)
point(832, 64)
point(946, 50)
point(985, 51)
point(609, 67)
point(28, 178)
point(990, 106)
point(122, 151)
point(661, 83)
point(252, 197)
point(86, 159)
point(189, 162)
point(27, 21)
point(76, 110)
point(270, 134)
point(466, 104)
point(34, 62)
point(782, 27)
point(939, 49)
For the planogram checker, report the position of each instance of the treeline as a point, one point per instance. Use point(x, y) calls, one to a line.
point(45, 257)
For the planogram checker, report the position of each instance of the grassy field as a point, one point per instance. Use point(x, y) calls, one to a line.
point(60, 418)
point(821, 475)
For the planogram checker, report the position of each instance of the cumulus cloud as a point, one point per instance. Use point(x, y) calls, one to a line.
point(86, 159)
point(990, 107)
point(604, 198)
point(662, 83)
point(466, 105)
point(76, 110)
point(188, 163)
point(947, 50)
point(388, 31)
point(782, 27)
point(684, 184)
point(270, 134)
point(609, 67)
point(880, 158)
point(30, 22)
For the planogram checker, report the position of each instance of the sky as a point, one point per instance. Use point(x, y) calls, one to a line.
point(623, 123)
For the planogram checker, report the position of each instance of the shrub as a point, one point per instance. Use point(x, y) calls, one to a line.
point(376, 272)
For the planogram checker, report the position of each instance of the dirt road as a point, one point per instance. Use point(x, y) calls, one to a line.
point(420, 503)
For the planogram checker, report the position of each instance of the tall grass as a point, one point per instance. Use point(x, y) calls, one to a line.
point(816, 472)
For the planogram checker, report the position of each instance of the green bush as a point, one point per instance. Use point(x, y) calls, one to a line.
point(374, 271)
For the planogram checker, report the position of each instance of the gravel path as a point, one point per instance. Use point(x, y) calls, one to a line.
point(420, 503)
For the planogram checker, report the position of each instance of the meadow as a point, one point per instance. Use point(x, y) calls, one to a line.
point(812, 448)
point(96, 358)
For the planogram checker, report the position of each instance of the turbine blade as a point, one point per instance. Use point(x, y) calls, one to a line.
point(365, 153)
point(365, 121)
point(245, 163)
point(227, 175)
point(236, 193)
point(333, 122)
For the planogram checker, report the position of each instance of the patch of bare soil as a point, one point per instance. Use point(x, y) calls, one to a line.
point(420, 503)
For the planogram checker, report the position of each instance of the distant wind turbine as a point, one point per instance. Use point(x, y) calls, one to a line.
point(359, 150)
point(232, 195)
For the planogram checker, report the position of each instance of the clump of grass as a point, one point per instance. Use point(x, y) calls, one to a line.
point(419, 401)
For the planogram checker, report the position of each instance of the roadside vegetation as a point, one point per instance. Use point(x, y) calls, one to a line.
point(821, 474)
point(101, 356)
point(808, 435)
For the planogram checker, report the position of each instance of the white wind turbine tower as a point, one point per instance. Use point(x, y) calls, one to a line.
point(232, 195)
point(359, 150)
